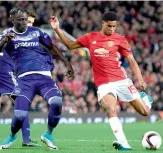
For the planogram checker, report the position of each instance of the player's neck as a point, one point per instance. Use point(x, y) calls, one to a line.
point(17, 31)
point(102, 33)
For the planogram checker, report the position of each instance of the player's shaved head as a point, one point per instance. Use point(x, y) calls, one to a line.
point(110, 16)
point(16, 11)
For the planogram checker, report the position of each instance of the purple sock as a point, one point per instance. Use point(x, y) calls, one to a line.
point(54, 115)
point(20, 113)
point(26, 130)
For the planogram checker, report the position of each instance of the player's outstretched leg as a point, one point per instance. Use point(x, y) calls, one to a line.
point(143, 104)
point(20, 112)
point(27, 142)
point(55, 108)
point(109, 102)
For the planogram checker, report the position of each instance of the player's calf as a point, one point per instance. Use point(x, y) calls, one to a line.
point(143, 104)
point(18, 120)
point(54, 115)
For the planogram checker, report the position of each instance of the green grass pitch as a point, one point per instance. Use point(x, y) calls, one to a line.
point(85, 138)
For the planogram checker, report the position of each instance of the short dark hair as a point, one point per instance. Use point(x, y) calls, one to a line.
point(31, 13)
point(109, 16)
point(15, 10)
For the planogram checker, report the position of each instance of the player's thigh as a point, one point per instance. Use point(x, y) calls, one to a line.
point(109, 102)
point(107, 96)
point(5, 98)
point(49, 89)
point(22, 103)
point(24, 89)
point(6, 86)
point(126, 91)
point(140, 107)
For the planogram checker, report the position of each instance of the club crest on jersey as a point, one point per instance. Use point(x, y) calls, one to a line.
point(17, 90)
point(110, 43)
point(34, 34)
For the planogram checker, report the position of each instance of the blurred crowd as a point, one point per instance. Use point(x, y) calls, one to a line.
point(142, 26)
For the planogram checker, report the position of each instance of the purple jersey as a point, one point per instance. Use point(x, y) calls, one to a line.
point(6, 63)
point(7, 78)
point(27, 52)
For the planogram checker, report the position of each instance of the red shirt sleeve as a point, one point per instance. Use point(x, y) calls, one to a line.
point(84, 40)
point(125, 49)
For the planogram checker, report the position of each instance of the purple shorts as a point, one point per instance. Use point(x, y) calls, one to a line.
point(30, 85)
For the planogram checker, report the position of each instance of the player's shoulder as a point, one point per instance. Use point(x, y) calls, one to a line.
point(92, 34)
point(37, 30)
point(6, 31)
point(119, 36)
point(32, 28)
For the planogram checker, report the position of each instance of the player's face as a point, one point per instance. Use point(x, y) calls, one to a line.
point(20, 21)
point(108, 27)
point(31, 21)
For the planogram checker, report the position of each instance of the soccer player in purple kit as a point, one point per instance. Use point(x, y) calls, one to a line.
point(7, 83)
point(24, 45)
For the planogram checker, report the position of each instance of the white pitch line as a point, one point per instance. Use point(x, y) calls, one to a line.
point(84, 140)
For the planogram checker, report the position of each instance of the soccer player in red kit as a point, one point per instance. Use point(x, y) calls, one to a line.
point(106, 47)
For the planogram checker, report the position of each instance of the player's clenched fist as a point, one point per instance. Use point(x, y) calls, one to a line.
point(143, 85)
point(9, 36)
point(54, 22)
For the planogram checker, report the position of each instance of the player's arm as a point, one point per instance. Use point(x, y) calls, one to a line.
point(126, 52)
point(58, 55)
point(5, 38)
point(46, 43)
point(2, 43)
point(136, 70)
point(70, 44)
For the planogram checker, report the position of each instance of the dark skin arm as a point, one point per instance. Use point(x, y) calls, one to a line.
point(6, 39)
point(56, 54)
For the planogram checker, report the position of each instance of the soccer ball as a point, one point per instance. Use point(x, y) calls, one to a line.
point(151, 140)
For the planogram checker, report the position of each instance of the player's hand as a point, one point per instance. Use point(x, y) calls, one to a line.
point(54, 22)
point(9, 36)
point(143, 85)
point(70, 71)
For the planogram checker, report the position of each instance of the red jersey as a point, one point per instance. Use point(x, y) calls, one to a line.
point(105, 52)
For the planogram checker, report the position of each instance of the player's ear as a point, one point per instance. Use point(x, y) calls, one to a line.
point(11, 18)
point(102, 23)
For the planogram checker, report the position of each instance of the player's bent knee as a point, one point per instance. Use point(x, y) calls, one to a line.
point(56, 100)
point(112, 112)
point(20, 114)
point(146, 112)
point(55, 106)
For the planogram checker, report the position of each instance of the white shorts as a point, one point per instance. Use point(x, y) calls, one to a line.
point(124, 90)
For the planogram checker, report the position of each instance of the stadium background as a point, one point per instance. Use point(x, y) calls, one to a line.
point(142, 26)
